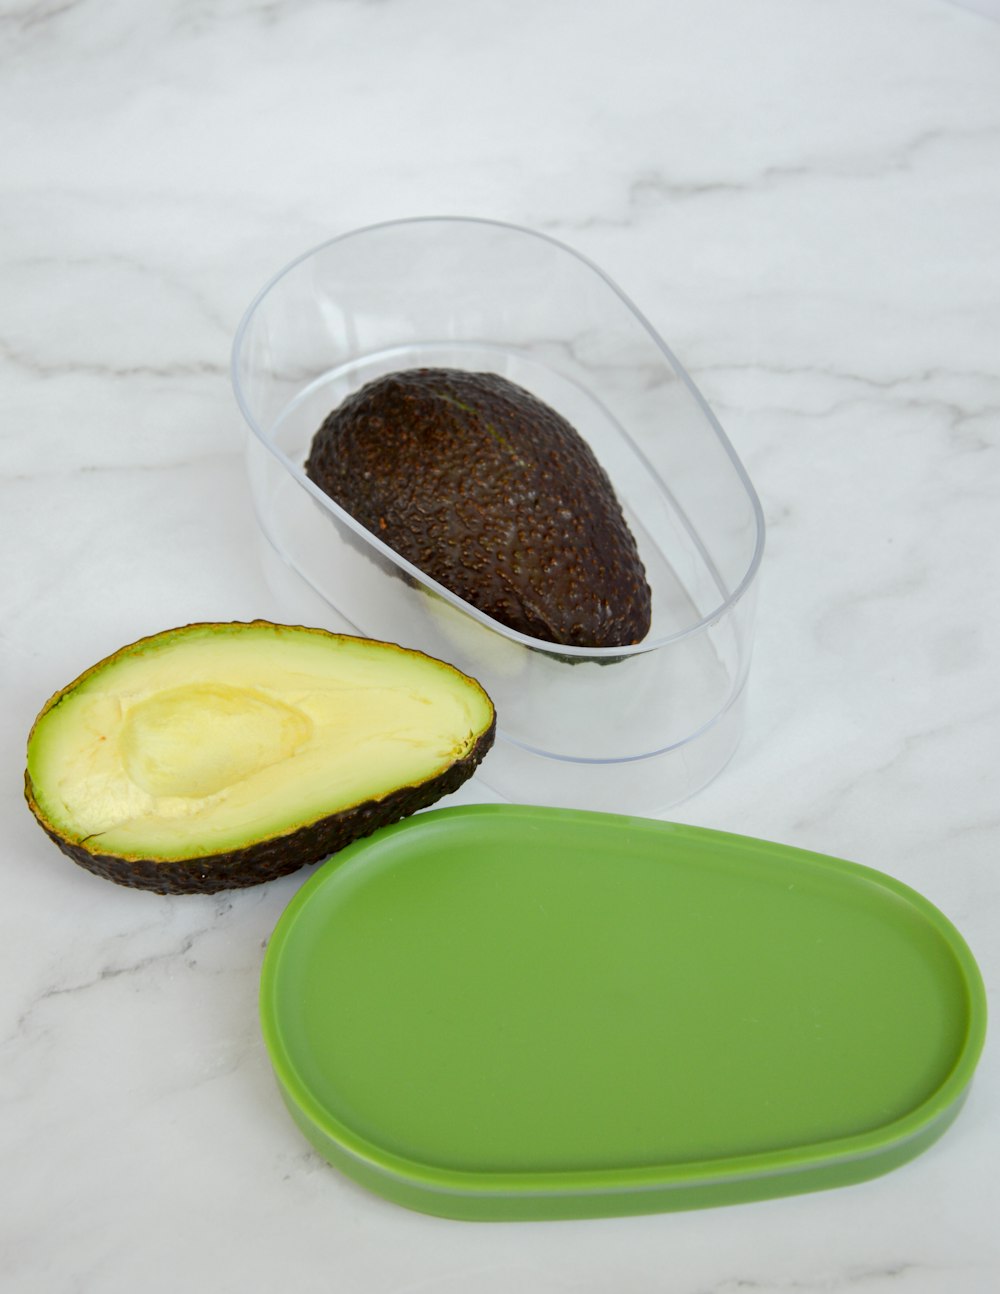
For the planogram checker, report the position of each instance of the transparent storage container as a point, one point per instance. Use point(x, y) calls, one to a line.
point(626, 729)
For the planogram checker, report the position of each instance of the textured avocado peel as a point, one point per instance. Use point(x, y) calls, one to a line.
point(494, 495)
point(218, 756)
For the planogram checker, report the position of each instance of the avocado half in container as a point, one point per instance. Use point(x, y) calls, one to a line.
point(489, 491)
point(216, 756)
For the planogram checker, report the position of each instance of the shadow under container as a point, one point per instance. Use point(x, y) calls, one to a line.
point(626, 729)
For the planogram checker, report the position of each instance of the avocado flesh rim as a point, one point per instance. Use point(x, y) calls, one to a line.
point(246, 748)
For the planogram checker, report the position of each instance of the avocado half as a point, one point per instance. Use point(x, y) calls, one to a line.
point(217, 756)
point(493, 494)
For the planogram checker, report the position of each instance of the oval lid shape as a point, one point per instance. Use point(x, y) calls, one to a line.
point(497, 1011)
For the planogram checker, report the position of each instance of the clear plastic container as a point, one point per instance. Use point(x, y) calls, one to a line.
point(627, 729)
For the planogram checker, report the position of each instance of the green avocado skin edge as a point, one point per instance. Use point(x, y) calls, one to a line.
point(532, 1013)
point(267, 860)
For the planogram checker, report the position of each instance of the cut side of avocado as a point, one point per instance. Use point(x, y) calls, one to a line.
point(216, 756)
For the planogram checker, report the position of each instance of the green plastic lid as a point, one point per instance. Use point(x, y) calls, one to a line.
point(506, 1012)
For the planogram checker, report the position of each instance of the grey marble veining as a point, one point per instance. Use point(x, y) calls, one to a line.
point(804, 199)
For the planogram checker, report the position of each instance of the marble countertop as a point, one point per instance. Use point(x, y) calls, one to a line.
point(804, 199)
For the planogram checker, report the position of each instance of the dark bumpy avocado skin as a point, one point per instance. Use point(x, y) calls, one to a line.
point(494, 495)
point(266, 860)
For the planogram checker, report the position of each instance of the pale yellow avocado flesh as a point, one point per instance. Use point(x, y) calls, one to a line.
point(200, 741)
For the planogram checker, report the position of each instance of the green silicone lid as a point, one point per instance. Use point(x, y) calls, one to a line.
point(507, 1012)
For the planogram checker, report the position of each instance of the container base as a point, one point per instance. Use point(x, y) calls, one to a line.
point(646, 785)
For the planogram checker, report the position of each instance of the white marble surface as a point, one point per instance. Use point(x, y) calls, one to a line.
point(804, 198)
